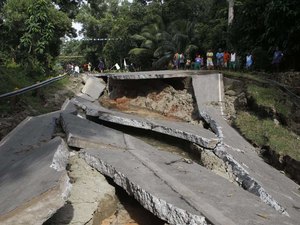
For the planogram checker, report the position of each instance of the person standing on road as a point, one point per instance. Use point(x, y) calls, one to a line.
point(101, 66)
point(188, 64)
point(232, 64)
point(219, 57)
point(249, 61)
point(226, 58)
point(209, 59)
point(76, 71)
point(176, 60)
point(197, 65)
point(181, 61)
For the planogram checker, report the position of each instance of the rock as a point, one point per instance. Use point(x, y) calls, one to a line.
point(231, 93)
point(91, 199)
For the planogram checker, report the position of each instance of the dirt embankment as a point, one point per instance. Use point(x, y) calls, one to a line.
point(170, 99)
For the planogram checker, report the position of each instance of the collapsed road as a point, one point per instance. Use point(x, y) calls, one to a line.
point(35, 184)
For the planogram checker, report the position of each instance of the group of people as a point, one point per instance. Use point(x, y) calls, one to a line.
point(73, 69)
point(220, 60)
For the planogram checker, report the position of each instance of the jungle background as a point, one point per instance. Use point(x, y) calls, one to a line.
point(34, 33)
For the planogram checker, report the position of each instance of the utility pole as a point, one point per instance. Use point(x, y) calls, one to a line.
point(230, 11)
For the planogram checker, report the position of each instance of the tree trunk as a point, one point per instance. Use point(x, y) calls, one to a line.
point(230, 11)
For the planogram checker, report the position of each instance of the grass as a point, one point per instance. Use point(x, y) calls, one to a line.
point(272, 98)
point(14, 78)
point(264, 132)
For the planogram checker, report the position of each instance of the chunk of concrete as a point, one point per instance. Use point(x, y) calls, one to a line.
point(250, 170)
point(93, 88)
point(90, 108)
point(176, 191)
point(35, 186)
point(69, 107)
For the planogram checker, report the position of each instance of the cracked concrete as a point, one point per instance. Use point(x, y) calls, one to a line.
point(186, 131)
point(35, 186)
point(251, 172)
point(168, 190)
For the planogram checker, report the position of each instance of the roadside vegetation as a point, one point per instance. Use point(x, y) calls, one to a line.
point(264, 133)
point(38, 101)
point(270, 118)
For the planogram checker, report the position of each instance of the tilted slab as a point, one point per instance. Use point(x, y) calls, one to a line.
point(186, 131)
point(90, 108)
point(93, 87)
point(69, 107)
point(178, 192)
point(82, 133)
point(35, 186)
point(30, 133)
point(250, 170)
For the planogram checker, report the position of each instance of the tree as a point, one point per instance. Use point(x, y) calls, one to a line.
point(71, 8)
point(33, 30)
point(266, 24)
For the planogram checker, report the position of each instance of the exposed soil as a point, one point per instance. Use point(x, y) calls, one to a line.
point(169, 100)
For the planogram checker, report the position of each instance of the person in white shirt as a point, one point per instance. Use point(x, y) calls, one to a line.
point(232, 63)
point(76, 70)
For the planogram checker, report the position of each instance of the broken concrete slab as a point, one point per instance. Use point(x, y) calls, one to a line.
point(35, 186)
point(30, 133)
point(186, 131)
point(69, 107)
point(161, 74)
point(91, 199)
point(251, 172)
point(82, 133)
point(93, 88)
point(176, 191)
point(90, 108)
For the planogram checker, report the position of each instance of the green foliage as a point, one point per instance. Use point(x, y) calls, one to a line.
point(30, 34)
point(266, 24)
point(12, 77)
point(38, 34)
point(264, 132)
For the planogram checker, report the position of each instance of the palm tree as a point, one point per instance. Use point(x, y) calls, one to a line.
point(157, 44)
point(147, 42)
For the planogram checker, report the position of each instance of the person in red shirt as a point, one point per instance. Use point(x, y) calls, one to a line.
point(226, 59)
